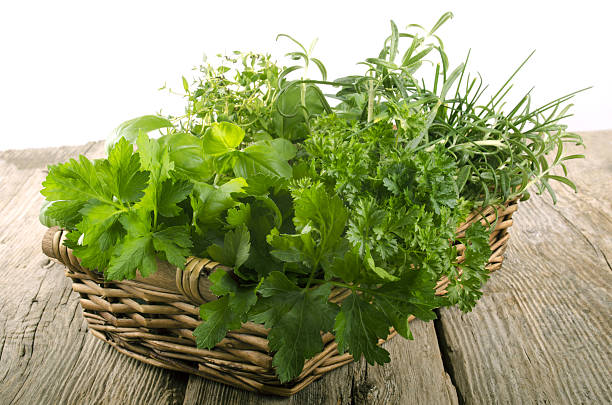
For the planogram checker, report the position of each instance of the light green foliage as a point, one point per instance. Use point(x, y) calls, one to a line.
point(187, 154)
point(320, 220)
point(221, 138)
point(265, 157)
point(262, 175)
point(130, 130)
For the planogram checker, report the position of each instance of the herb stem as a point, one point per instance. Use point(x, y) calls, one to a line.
point(371, 93)
point(312, 274)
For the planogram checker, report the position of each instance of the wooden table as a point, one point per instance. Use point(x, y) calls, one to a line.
point(540, 334)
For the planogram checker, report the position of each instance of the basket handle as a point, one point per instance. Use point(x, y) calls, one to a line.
point(47, 242)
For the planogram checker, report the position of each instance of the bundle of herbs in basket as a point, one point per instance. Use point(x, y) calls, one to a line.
point(334, 225)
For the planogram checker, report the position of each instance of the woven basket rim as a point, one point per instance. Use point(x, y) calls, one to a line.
point(131, 314)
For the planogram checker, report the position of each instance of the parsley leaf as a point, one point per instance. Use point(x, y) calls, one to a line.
point(226, 313)
point(121, 173)
point(358, 327)
point(172, 193)
point(136, 250)
point(239, 215)
point(465, 288)
point(235, 249)
point(296, 317)
point(175, 243)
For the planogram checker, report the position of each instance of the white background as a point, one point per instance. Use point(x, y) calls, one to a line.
point(72, 71)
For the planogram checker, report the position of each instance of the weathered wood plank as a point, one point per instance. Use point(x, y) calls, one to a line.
point(414, 376)
point(46, 355)
point(541, 333)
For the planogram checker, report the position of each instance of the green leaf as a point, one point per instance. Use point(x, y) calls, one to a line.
point(228, 312)
point(101, 189)
point(121, 172)
point(218, 317)
point(568, 157)
point(187, 153)
point(98, 214)
point(242, 298)
point(45, 219)
point(61, 213)
point(347, 268)
point(239, 215)
point(98, 253)
point(292, 248)
point(365, 218)
point(445, 17)
point(563, 180)
point(448, 83)
point(464, 291)
point(172, 193)
point(358, 327)
point(221, 282)
point(235, 249)
point(296, 317)
point(397, 317)
point(545, 184)
point(316, 208)
point(321, 67)
point(265, 157)
point(134, 253)
point(462, 177)
point(129, 130)
point(209, 203)
point(175, 243)
point(137, 222)
point(381, 273)
point(75, 180)
point(155, 157)
point(292, 110)
point(382, 63)
point(221, 138)
point(136, 250)
point(235, 185)
point(320, 220)
point(412, 294)
point(393, 43)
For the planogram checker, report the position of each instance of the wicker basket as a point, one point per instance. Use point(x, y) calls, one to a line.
point(152, 319)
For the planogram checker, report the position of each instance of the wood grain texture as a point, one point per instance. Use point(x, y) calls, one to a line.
point(541, 333)
point(46, 354)
point(414, 376)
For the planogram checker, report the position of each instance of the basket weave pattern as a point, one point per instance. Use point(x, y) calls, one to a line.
point(152, 319)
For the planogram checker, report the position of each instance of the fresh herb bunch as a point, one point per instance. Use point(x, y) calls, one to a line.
point(298, 197)
point(245, 89)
